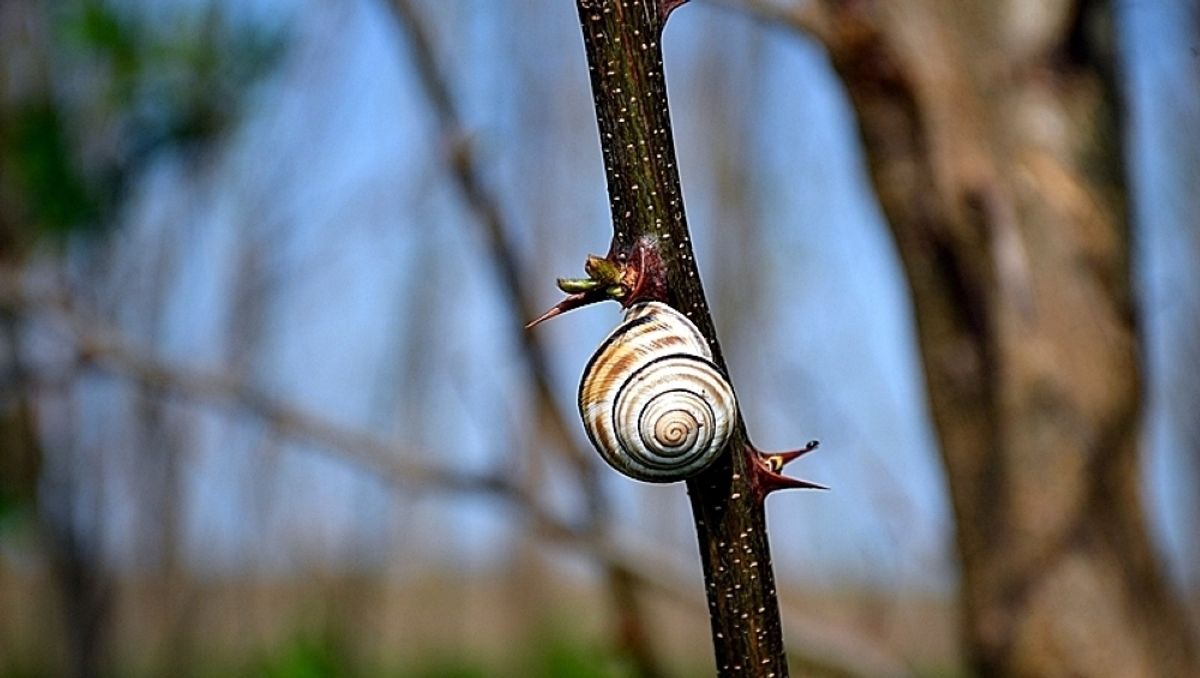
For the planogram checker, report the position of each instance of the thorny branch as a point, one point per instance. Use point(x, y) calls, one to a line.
point(650, 258)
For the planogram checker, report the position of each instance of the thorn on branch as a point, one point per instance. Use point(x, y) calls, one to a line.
point(627, 276)
point(572, 302)
point(767, 475)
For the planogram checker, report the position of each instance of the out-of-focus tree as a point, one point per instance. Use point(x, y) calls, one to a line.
point(90, 97)
point(992, 133)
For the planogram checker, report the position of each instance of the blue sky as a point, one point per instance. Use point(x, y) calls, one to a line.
point(376, 304)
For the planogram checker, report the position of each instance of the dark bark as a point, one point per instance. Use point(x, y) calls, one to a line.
point(994, 147)
point(623, 43)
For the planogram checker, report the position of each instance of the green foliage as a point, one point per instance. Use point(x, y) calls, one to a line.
point(326, 655)
point(456, 667)
point(558, 657)
point(553, 655)
point(124, 88)
point(39, 162)
point(307, 657)
point(106, 33)
point(16, 512)
point(321, 656)
point(175, 83)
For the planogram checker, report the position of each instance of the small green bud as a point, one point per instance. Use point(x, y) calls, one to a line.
point(602, 270)
point(578, 285)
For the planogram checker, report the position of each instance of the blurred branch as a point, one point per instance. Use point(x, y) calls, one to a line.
point(102, 347)
point(461, 161)
point(633, 635)
point(926, 80)
point(845, 652)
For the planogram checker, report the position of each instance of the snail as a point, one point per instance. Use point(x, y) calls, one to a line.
point(653, 403)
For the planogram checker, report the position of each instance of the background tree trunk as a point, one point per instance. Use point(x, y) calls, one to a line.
point(992, 135)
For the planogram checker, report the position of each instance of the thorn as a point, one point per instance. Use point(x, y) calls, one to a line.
point(572, 301)
point(767, 476)
point(780, 482)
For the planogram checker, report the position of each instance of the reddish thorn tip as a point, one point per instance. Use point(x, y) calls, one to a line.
point(780, 482)
point(554, 310)
point(572, 302)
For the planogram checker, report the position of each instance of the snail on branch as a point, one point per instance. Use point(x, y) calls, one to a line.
point(653, 402)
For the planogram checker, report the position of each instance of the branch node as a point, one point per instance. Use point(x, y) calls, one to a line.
point(627, 275)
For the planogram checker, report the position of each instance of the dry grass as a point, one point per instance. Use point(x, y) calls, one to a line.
point(434, 619)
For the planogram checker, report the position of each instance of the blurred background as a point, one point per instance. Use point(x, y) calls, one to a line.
point(265, 404)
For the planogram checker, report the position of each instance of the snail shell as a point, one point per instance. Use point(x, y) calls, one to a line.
point(653, 403)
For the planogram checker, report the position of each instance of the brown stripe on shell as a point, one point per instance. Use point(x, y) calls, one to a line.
point(649, 333)
point(630, 343)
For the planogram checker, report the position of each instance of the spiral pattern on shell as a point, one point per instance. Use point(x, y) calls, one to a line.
point(653, 403)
